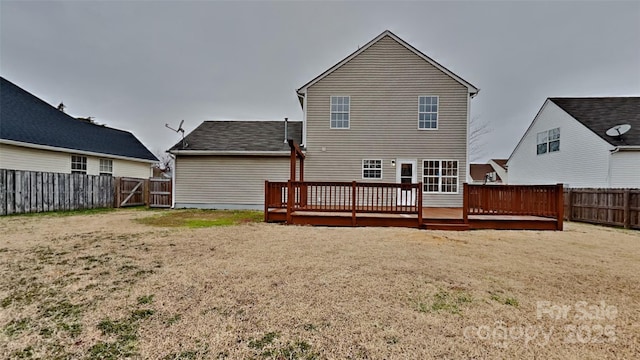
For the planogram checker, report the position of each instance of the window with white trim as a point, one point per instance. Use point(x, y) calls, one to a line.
point(78, 164)
point(440, 176)
point(106, 167)
point(548, 141)
point(371, 169)
point(340, 112)
point(427, 112)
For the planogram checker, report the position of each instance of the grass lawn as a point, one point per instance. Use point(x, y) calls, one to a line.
point(221, 285)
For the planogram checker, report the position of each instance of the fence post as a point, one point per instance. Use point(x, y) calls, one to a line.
point(353, 203)
point(560, 206)
point(465, 203)
point(569, 209)
point(147, 191)
point(627, 208)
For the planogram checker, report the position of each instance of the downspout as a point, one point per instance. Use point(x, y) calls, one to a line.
point(615, 150)
point(173, 180)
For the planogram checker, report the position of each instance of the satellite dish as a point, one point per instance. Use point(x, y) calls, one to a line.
point(618, 130)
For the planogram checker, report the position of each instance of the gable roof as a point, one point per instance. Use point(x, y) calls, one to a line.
point(239, 137)
point(602, 113)
point(479, 171)
point(26, 119)
point(472, 89)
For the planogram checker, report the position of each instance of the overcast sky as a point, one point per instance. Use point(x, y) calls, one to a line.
point(136, 65)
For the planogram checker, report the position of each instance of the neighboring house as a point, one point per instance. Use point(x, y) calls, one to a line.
point(386, 113)
point(484, 174)
point(224, 164)
point(36, 136)
point(567, 143)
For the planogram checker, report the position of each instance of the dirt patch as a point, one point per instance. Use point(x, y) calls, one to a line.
point(107, 286)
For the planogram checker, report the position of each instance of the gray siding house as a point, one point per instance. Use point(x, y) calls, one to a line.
point(386, 113)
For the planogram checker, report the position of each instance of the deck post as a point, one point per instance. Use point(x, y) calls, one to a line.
point(560, 206)
point(289, 201)
point(419, 205)
point(353, 203)
point(465, 203)
point(266, 201)
point(292, 166)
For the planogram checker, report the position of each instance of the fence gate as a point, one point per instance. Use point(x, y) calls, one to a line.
point(160, 193)
point(130, 192)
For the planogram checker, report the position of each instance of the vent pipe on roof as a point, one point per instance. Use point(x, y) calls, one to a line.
point(286, 129)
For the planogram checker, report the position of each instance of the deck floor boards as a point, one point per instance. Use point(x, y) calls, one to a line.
point(433, 218)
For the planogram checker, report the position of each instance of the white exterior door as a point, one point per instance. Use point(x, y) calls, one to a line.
point(406, 173)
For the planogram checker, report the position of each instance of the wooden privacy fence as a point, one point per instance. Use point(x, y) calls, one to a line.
point(514, 200)
point(354, 197)
point(34, 191)
point(615, 207)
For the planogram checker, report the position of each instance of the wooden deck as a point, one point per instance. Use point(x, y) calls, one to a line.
point(432, 219)
point(389, 204)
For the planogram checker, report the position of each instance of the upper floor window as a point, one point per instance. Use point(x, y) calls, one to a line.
point(340, 112)
point(78, 164)
point(548, 141)
point(106, 167)
point(427, 112)
point(440, 176)
point(372, 169)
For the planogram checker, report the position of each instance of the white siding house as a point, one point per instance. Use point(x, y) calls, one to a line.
point(567, 143)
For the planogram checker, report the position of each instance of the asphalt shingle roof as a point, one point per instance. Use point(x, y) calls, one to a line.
point(241, 136)
point(479, 171)
point(26, 118)
point(600, 114)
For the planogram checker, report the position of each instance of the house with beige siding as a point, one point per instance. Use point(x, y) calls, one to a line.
point(386, 113)
point(389, 113)
point(569, 141)
point(36, 136)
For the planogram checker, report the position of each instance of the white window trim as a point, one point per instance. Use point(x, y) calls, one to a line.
point(548, 142)
point(437, 113)
point(101, 172)
point(76, 170)
point(348, 113)
point(422, 176)
point(362, 169)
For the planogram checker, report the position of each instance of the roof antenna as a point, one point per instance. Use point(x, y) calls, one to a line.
point(180, 130)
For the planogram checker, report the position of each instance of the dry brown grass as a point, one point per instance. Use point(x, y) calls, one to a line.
point(94, 286)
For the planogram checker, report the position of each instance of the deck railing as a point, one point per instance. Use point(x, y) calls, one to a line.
point(354, 197)
point(516, 200)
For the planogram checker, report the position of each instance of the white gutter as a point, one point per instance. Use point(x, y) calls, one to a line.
point(236, 153)
point(73, 151)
